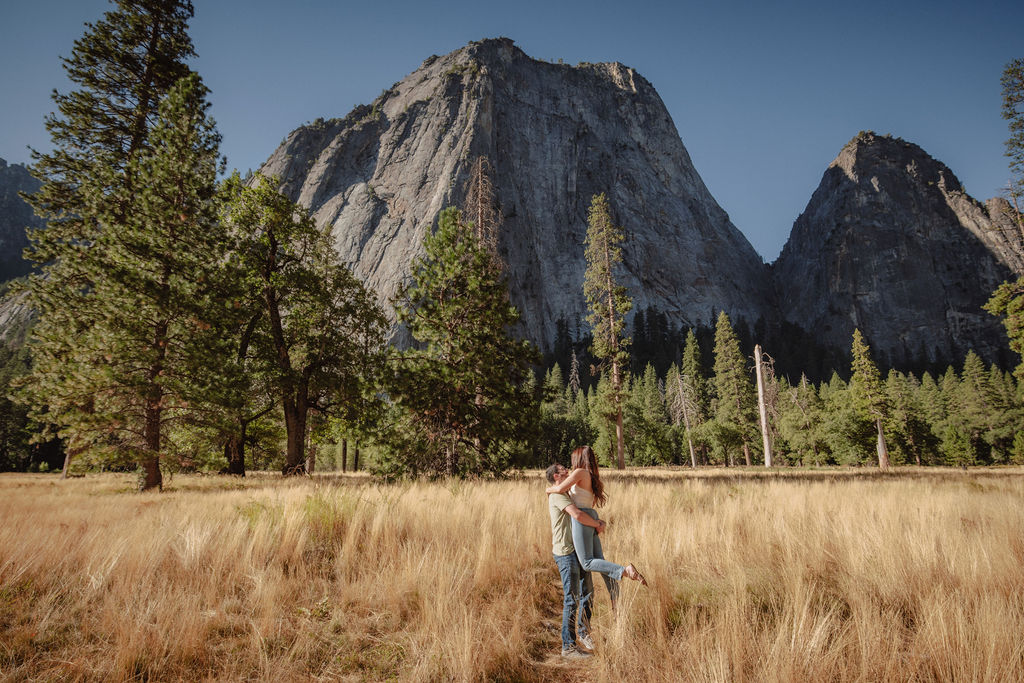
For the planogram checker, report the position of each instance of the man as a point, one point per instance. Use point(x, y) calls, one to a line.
point(577, 585)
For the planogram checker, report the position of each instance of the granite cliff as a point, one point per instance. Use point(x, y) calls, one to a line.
point(890, 243)
point(15, 216)
point(555, 135)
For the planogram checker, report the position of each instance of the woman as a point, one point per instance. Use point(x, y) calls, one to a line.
point(586, 491)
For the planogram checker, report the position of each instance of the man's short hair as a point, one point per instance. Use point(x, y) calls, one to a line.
point(551, 471)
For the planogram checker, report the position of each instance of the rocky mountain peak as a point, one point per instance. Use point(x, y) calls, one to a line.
point(555, 135)
point(16, 216)
point(891, 243)
point(867, 154)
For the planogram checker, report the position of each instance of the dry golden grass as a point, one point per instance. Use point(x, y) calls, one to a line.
point(792, 576)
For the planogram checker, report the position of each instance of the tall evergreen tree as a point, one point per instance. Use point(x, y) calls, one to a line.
point(800, 422)
point(463, 389)
point(1008, 299)
point(149, 292)
point(123, 66)
point(686, 393)
point(609, 303)
point(1013, 111)
point(909, 437)
point(868, 393)
point(736, 407)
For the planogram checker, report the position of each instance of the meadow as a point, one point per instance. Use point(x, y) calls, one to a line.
point(790, 575)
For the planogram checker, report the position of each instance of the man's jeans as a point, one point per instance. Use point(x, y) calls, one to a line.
point(578, 596)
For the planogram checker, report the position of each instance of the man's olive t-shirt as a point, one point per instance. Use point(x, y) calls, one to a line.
point(561, 527)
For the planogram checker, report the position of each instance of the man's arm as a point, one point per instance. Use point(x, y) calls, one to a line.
point(584, 518)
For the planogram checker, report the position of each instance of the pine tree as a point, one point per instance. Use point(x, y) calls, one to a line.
point(978, 409)
point(800, 421)
point(1013, 111)
point(647, 420)
point(930, 400)
point(458, 312)
point(320, 335)
point(554, 393)
point(609, 303)
point(868, 393)
point(149, 295)
point(123, 66)
point(573, 385)
point(908, 434)
point(686, 392)
point(735, 395)
point(847, 432)
point(1008, 299)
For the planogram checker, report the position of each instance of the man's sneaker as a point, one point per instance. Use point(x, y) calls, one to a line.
point(575, 653)
point(587, 642)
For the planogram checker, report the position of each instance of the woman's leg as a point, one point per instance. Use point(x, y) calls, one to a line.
point(609, 582)
point(583, 538)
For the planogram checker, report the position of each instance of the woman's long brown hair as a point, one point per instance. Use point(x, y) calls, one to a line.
point(584, 459)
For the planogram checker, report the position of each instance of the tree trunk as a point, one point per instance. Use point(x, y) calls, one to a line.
point(762, 409)
point(355, 458)
point(153, 412)
point(686, 420)
point(746, 453)
point(150, 463)
point(450, 459)
point(234, 452)
point(311, 458)
point(295, 428)
point(883, 451)
point(344, 455)
point(620, 444)
point(67, 464)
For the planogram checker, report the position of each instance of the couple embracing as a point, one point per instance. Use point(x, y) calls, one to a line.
point(575, 529)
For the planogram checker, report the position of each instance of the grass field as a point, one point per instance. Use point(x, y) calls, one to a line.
point(791, 575)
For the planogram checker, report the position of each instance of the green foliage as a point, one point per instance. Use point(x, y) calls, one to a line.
point(1008, 299)
point(800, 424)
point(139, 294)
point(608, 303)
point(461, 393)
point(317, 335)
point(130, 146)
point(564, 422)
point(848, 434)
point(735, 407)
point(957, 448)
point(1008, 302)
point(647, 422)
point(1012, 82)
point(910, 440)
point(865, 382)
point(868, 395)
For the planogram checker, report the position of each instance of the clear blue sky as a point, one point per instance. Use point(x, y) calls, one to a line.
point(764, 94)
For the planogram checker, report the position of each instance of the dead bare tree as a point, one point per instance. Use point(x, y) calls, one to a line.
point(767, 399)
point(480, 206)
point(684, 409)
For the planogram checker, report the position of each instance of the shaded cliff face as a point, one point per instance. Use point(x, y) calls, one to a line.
point(15, 217)
point(556, 135)
point(891, 244)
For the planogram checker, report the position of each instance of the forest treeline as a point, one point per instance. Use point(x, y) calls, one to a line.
point(971, 415)
point(181, 322)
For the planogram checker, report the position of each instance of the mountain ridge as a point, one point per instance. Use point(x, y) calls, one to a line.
point(555, 135)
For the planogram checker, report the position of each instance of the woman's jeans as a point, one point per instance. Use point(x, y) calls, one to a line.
point(588, 550)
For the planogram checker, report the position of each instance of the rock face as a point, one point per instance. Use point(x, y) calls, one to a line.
point(890, 243)
point(15, 216)
point(555, 135)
